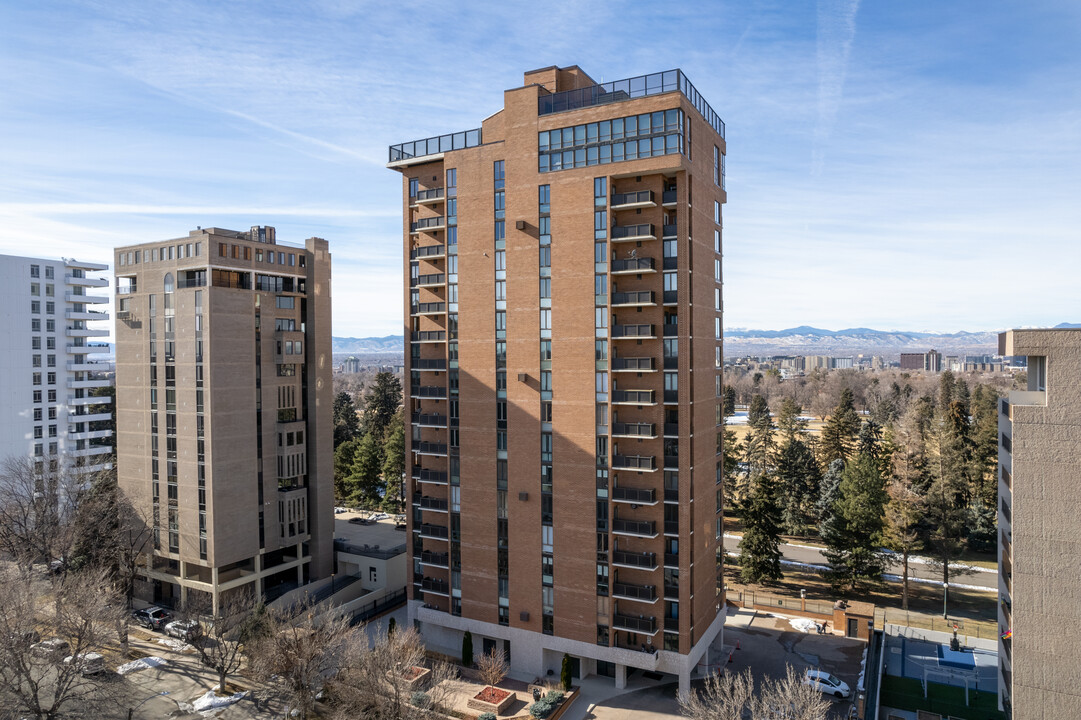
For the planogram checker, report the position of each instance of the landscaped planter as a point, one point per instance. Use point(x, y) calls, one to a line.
point(416, 677)
point(492, 699)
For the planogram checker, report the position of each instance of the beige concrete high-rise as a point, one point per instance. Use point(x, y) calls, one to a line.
point(564, 336)
point(224, 420)
point(1039, 548)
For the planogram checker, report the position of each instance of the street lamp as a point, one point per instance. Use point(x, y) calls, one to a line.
point(945, 597)
point(131, 710)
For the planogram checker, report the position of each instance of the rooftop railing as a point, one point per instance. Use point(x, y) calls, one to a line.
point(434, 145)
point(629, 89)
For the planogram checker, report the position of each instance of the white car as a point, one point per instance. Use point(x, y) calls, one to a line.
point(825, 683)
point(90, 663)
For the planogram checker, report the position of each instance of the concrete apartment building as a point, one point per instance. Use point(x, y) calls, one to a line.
point(1039, 582)
point(224, 437)
point(48, 370)
point(564, 305)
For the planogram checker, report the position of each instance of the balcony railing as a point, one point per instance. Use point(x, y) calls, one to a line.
point(671, 462)
point(670, 330)
point(671, 429)
point(635, 592)
point(635, 527)
point(633, 331)
point(645, 560)
point(670, 297)
point(425, 502)
point(633, 364)
point(427, 557)
point(641, 297)
point(439, 532)
point(429, 195)
point(669, 230)
point(435, 585)
point(429, 419)
point(671, 527)
point(642, 430)
point(427, 280)
point(428, 308)
point(634, 462)
point(633, 232)
point(427, 391)
point(672, 624)
point(636, 87)
point(635, 495)
point(427, 251)
point(642, 198)
point(425, 475)
point(634, 624)
point(633, 265)
point(671, 591)
point(430, 223)
point(428, 335)
point(671, 560)
point(434, 145)
point(429, 364)
point(668, 197)
point(633, 397)
point(429, 448)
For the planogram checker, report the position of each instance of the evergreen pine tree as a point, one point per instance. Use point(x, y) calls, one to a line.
point(799, 477)
point(853, 540)
point(829, 493)
point(839, 433)
point(346, 422)
point(467, 649)
point(760, 548)
point(382, 404)
point(365, 480)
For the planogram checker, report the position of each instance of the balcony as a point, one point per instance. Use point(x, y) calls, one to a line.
point(430, 364)
point(91, 451)
point(87, 384)
point(429, 308)
point(431, 196)
point(430, 448)
point(634, 332)
point(428, 391)
point(671, 429)
point(639, 560)
point(636, 496)
point(671, 495)
point(646, 463)
point(633, 233)
point(633, 200)
point(86, 281)
point(434, 585)
point(428, 336)
point(669, 231)
point(668, 198)
point(85, 365)
point(90, 435)
point(635, 528)
point(424, 475)
point(631, 266)
point(89, 299)
point(671, 462)
point(671, 591)
point(671, 527)
point(85, 332)
point(671, 560)
point(633, 364)
point(92, 400)
point(435, 420)
point(427, 251)
point(640, 593)
point(633, 397)
point(640, 624)
point(671, 624)
point(642, 298)
point(429, 280)
point(435, 559)
point(634, 430)
point(433, 532)
point(430, 224)
point(424, 502)
point(93, 315)
point(89, 417)
point(427, 150)
point(670, 297)
point(1027, 397)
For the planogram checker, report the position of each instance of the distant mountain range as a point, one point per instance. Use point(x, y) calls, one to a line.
point(802, 340)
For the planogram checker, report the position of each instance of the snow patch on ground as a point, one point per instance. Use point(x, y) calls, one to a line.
point(805, 625)
point(140, 664)
point(175, 644)
point(211, 701)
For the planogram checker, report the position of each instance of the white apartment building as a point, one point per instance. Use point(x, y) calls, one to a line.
point(48, 318)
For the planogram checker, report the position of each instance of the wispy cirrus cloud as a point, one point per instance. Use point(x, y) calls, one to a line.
point(836, 32)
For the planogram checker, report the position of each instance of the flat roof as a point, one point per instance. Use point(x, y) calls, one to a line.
point(381, 532)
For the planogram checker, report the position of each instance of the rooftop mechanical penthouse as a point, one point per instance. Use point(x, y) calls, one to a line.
point(564, 333)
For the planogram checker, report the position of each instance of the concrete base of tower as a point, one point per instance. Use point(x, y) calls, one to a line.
point(535, 655)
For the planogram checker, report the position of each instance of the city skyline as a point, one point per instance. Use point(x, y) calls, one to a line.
point(895, 164)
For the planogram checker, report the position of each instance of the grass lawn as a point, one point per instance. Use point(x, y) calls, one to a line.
point(947, 700)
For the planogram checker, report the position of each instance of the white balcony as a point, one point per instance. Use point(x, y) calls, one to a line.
point(90, 417)
point(91, 451)
point(87, 384)
point(92, 315)
point(85, 332)
point(89, 299)
point(90, 435)
point(99, 400)
point(86, 281)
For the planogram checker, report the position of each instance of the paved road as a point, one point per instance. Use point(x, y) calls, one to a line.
point(981, 578)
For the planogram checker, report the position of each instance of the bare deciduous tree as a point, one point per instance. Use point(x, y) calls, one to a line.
point(35, 679)
point(221, 643)
point(38, 498)
point(733, 697)
point(493, 667)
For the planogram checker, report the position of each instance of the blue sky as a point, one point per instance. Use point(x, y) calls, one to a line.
point(910, 165)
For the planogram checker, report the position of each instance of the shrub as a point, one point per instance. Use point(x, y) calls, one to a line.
point(554, 696)
point(565, 672)
point(467, 649)
point(541, 709)
point(487, 716)
point(420, 699)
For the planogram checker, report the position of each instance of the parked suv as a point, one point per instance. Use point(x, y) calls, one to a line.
point(90, 663)
point(153, 618)
point(53, 650)
point(186, 630)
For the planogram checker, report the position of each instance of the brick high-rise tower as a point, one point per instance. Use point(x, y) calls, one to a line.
point(564, 305)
